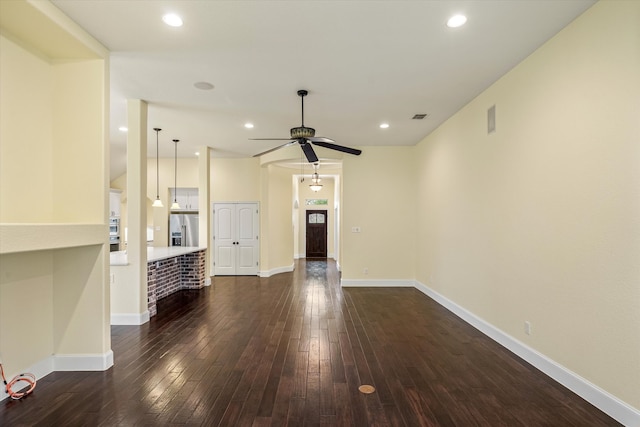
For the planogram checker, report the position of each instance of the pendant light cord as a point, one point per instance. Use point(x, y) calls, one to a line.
point(157, 165)
point(175, 171)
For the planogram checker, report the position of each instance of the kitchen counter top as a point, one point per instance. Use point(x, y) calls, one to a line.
point(155, 253)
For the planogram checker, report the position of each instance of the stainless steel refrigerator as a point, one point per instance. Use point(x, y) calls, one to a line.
point(183, 229)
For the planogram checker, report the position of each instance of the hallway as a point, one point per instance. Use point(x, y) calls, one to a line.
point(293, 349)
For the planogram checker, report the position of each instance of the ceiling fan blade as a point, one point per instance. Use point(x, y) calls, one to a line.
point(275, 148)
point(308, 151)
point(320, 139)
point(269, 139)
point(348, 150)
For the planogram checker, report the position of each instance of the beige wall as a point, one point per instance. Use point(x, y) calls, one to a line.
point(276, 225)
point(26, 87)
point(54, 270)
point(379, 190)
point(540, 221)
point(26, 277)
point(235, 180)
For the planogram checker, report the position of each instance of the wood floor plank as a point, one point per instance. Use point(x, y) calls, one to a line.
point(292, 349)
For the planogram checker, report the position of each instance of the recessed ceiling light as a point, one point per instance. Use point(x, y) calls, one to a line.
point(384, 125)
point(123, 129)
point(248, 125)
point(203, 85)
point(197, 153)
point(172, 20)
point(456, 21)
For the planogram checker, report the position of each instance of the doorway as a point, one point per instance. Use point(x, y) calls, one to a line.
point(316, 227)
point(235, 239)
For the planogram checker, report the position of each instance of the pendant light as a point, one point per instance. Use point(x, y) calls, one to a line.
point(175, 204)
point(157, 203)
point(315, 180)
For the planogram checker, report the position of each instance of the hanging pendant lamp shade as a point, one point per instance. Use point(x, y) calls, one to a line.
point(157, 203)
point(315, 183)
point(315, 180)
point(175, 204)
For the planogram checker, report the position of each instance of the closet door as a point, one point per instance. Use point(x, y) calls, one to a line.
point(236, 249)
point(247, 238)
point(224, 239)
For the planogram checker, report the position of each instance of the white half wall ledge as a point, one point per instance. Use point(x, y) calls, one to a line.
point(601, 399)
point(130, 318)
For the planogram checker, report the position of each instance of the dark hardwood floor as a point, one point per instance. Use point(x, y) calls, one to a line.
point(293, 350)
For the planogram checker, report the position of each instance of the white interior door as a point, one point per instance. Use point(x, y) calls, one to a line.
point(236, 232)
point(224, 239)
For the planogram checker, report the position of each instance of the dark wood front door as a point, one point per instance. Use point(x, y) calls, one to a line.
point(317, 234)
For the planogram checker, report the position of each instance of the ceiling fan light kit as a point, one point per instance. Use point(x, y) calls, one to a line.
point(305, 136)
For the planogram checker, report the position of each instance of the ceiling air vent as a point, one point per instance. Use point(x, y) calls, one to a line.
point(419, 116)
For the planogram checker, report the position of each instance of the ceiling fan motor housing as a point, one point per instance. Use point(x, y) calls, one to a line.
point(302, 132)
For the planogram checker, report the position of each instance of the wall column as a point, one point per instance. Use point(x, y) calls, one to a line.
point(137, 203)
point(204, 196)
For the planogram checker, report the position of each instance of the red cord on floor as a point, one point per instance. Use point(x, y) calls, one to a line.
point(30, 379)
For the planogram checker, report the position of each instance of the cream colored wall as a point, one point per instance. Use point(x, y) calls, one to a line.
point(26, 288)
point(540, 221)
point(52, 113)
point(79, 308)
point(25, 113)
point(276, 225)
point(379, 197)
point(235, 180)
point(78, 133)
point(47, 121)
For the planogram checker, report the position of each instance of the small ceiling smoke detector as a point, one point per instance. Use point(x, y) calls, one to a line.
point(419, 116)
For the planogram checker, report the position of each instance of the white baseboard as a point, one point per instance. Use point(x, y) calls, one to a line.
point(366, 283)
point(64, 362)
point(40, 369)
point(277, 270)
point(83, 362)
point(130, 318)
point(593, 394)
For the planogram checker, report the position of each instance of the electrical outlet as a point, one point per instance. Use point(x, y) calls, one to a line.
point(355, 229)
point(365, 271)
point(527, 327)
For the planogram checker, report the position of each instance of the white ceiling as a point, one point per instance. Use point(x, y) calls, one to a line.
point(363, 62)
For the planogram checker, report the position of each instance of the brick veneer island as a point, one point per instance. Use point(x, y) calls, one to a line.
point(168, 270)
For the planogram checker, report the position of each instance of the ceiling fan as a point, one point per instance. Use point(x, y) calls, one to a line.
point(305, 136)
